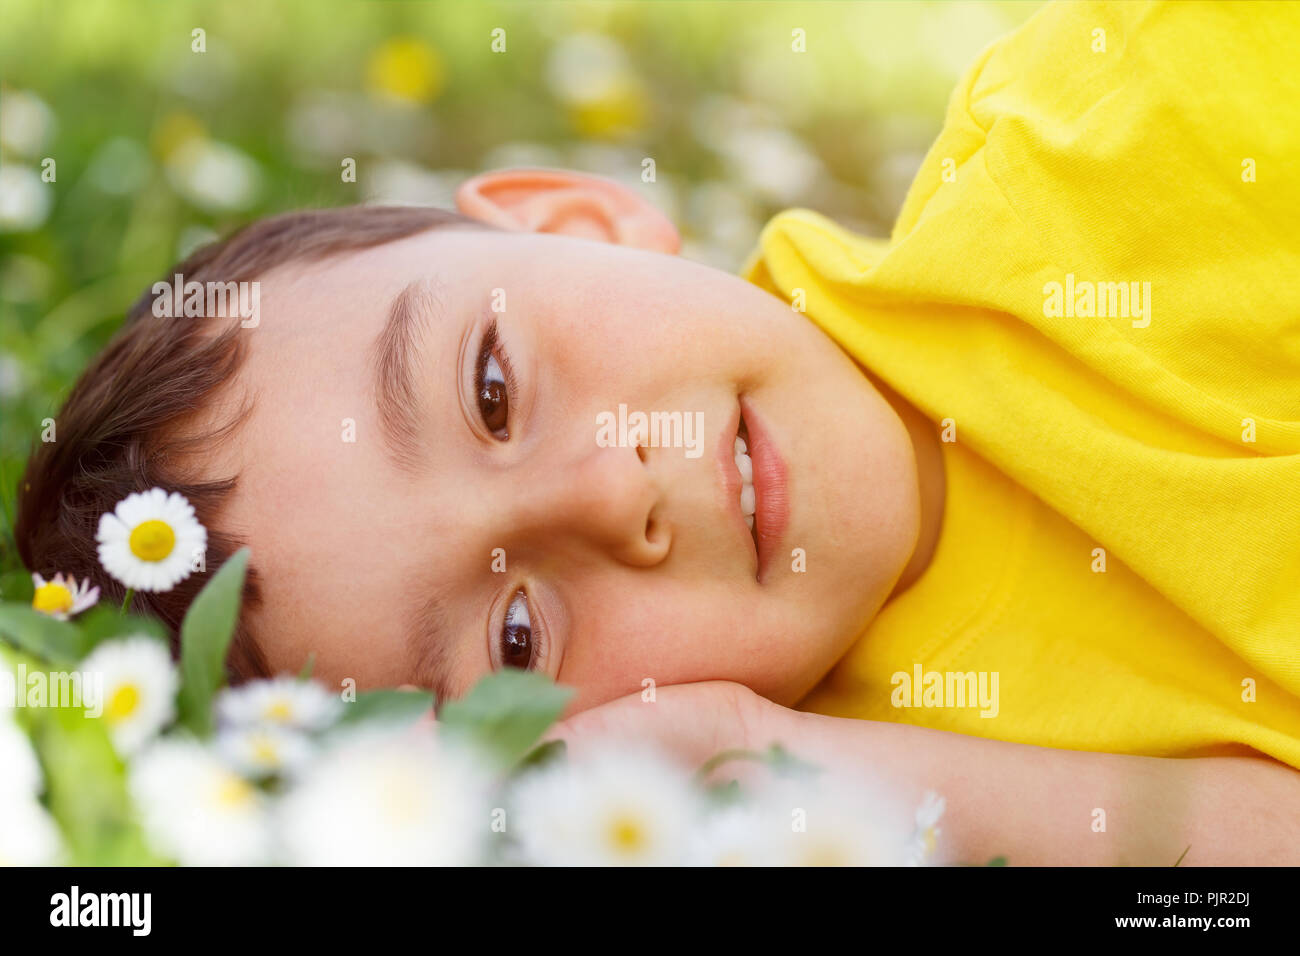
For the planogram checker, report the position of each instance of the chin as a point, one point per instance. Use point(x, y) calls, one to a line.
point(793, 688)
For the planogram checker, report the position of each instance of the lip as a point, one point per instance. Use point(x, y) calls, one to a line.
point(772, 514)
point(771, 488)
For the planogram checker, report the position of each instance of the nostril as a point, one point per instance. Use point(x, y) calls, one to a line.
point(641, 452)
point(656, 532)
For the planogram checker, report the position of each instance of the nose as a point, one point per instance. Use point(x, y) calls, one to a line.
point(599, 497)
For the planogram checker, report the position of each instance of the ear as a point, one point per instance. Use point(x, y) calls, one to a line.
point(569, 204)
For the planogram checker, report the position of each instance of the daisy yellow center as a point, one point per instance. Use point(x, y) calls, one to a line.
point(123, 703)
point(825, 855)
point(233, 791)
point(401, 799)
point(279, 710)
point(264, 751)
point(52, 598)
point(152, 540)
point(401, 807)
point(627, 835)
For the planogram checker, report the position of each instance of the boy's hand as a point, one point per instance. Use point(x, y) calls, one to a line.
point(690, 721)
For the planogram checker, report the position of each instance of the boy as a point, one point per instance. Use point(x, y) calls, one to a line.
point(1044, 490)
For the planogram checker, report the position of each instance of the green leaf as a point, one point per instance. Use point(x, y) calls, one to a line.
point(393, 706)
point(57, 642)
point(997, 861)
point(104, 623)
point(506, 713)
point(206, 632)
point(86, 785)
point(543, 755)
point(16, 585)
point(724, 794)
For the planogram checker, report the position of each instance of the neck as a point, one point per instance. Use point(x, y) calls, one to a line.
point(931, 481)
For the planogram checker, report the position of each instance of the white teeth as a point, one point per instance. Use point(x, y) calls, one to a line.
point(745, 465)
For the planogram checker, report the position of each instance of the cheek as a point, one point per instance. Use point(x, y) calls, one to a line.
point(626, 644)
point(582, 361)
point(656, 633)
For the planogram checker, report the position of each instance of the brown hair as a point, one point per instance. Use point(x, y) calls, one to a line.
point(118, 429)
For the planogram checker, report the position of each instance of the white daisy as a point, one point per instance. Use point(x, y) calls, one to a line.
point(615, 806)
point(286, 701)
point(150, 541)
point(28, 835)
point(926, 835)
point(387, 797)
point(27, 124)
point(738, 835)
point(197, 810)
point(264, 751)
point(829, 822)
point(214, 176)
point(62, 597)
point(25, 199)
point(136, 684)
point(20, 773)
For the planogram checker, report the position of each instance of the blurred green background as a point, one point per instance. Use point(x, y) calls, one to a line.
point(155, 148)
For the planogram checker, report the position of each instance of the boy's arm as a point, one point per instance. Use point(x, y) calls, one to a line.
point(1032, 805)
point(1036, 805)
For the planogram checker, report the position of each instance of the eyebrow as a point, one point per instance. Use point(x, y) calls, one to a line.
point(431, 651)
point(393, 365)
point(397, 398)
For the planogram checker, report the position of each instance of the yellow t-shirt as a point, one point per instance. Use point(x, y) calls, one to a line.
point(1121, 545)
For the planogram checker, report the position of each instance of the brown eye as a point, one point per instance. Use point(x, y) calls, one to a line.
point(493, 390)
point(517, 635)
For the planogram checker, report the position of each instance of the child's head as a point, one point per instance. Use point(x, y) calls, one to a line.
point(421, 443)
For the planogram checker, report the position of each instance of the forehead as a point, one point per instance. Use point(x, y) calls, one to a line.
point(314, 482)
point(347, 295)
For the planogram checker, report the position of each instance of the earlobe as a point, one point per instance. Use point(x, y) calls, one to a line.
point(566, 203)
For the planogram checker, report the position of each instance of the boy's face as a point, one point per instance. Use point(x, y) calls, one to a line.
point(503, 528)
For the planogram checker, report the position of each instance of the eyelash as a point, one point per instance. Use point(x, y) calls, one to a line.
point(490, 347)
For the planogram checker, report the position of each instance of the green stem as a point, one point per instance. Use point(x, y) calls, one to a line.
point(126, 601)
point(726, 756)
